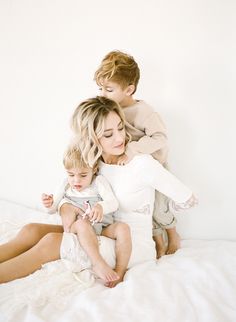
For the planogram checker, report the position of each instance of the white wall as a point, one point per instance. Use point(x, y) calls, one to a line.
point(186, 51)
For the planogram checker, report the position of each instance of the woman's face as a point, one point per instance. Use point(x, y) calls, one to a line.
point(113, 138)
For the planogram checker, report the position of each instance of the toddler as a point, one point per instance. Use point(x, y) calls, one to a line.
point(94, 202)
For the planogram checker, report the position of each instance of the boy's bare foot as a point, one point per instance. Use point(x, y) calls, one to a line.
point(121, 275)
point(160, 245)
point(173, 241)
point(105, 272)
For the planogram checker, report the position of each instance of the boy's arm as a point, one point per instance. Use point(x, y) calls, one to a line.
point(109, 202)
point(154, 139)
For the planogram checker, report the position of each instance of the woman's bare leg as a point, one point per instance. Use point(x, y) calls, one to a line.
point(46, 250)
point(123, 246)
point(27, 237)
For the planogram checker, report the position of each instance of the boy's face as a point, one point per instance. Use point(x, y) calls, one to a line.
point(115, 92)
point(80, 178)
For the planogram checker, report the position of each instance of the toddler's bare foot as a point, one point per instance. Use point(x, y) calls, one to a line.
point(160, 245)
point(173, 241)
point(121, 275)
point(104, 271)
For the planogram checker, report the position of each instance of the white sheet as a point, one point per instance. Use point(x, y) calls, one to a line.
point(198, 283)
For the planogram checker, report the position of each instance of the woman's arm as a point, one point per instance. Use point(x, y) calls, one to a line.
point(153, 174)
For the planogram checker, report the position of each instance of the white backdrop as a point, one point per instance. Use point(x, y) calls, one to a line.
point(186, 50)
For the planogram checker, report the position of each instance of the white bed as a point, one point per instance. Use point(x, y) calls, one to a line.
point(198, 283)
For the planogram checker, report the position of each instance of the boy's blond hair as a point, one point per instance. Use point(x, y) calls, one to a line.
point(88, 125)
point(120, 68)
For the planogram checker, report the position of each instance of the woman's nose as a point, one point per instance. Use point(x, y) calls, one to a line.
point(119, 137)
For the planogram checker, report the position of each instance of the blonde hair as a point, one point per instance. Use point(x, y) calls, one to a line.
point(73, 159)
point(88, 125)
point(120, 68)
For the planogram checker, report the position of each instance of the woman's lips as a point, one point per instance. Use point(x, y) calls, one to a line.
point(119, 146)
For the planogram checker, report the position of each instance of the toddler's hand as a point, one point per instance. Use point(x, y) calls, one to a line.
point(96, 213)
point(123, 159)
point(47, 200)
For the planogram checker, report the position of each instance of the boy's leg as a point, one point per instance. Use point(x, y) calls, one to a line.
point(46, 250)
point(159, 242)
point(27, 237)
point(166, 220)
point(173, 240)
point(123, 246)
point(89, 242)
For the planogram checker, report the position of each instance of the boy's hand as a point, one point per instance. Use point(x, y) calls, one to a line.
point(96, 213)
point(47, 200)
point(123, 159)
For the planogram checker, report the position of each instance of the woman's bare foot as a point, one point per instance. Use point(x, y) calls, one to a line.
point(173, 241)
point(105, 272)
point(160, 245)
point(121, 275)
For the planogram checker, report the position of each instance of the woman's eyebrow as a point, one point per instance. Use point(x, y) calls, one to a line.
point(112, 129)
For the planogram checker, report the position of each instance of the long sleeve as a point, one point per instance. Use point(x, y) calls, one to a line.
point(154, 138)
point(57, 196)
point(153, 174)
point(148, 132)
point(109, 202)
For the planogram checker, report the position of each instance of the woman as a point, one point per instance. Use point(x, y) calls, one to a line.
point(100, 133)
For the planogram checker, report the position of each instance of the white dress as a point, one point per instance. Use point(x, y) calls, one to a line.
point(134, 186)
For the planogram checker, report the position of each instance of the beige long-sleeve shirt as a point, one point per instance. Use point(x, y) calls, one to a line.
point(149, 134)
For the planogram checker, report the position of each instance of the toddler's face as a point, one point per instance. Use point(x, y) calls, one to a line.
point(80, 178)
point(113, 91)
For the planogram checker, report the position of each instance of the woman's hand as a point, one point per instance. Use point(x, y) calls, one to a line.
point(47, 200)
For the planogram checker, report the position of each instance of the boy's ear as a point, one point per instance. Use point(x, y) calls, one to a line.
point(130, 89)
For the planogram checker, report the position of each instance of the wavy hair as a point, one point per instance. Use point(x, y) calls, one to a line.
point(88, 125)
point(120, 68)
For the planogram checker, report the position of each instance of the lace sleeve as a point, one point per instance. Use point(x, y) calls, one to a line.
point(191, 202)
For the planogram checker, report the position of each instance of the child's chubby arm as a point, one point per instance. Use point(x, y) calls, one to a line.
point(109, 203)
point(154, 136)
point(51, 201)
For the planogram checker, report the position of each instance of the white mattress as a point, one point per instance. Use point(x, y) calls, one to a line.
point(198, 283)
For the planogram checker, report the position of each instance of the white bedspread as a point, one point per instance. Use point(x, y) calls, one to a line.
point(198, 283)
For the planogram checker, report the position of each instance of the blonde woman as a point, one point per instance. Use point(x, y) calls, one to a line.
point(99, 127)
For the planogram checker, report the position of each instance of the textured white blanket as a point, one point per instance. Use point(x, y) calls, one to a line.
point(198, 283)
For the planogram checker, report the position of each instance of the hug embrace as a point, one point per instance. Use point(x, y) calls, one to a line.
point(118, 195)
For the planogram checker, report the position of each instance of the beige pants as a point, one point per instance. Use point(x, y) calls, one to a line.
point(162, 217)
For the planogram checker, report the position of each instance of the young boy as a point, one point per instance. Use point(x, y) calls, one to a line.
point(95, 202)
point(118, 77)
